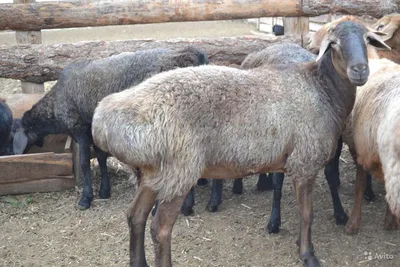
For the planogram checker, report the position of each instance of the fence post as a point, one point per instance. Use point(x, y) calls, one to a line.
point(297, 26)
point(29, 37)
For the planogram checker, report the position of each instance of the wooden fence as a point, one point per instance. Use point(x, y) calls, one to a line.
point(35, 63)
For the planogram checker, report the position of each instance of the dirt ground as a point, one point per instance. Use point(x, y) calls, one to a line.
point(46, 229)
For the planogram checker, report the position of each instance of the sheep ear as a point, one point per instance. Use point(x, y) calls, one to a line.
point(388, 31)
point(375, 40)
point(20, 142)
point(325, 46)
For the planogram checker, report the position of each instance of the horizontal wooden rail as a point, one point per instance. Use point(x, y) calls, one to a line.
point(41, 63)
point(51, 15)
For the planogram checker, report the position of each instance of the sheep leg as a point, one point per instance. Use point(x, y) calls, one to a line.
point(137, 214)
point(105, 187)
point(188, 204)
point(216, 195)
point(265, 182)
point(275, 218)
point(237, 186)
point(332, 177)
point(391, 222)
point(369, 193)
point(161, 230)
point(354, 222)
point(303, 188)
point(85, 142)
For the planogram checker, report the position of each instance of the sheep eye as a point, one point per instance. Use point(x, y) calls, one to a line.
point(380, 27)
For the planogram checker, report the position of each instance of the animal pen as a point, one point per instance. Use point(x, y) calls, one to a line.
point(34, 63)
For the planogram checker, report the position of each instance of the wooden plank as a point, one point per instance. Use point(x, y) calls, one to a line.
point(29, 37)
point(47, 184)
point(30, 167)
point(50, 15)
point(41, 63)
point(52, 143)
point(298, 27)
point(68, 145)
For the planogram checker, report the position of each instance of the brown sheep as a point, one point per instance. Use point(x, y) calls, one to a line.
point(389, 25)
point(220, 122)
point(372, 134)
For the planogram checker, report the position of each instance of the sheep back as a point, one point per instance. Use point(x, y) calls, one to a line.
point(203, 117)
point(278, 54)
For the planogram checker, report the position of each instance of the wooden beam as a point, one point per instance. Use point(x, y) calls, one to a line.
point(47, 184)
point(28, 167)
point(297, 27)
point(41, 63)
point(50, 15)
point(29, 37)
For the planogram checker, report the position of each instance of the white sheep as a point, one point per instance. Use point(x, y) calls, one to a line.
point(373, 136)
point(220, 122)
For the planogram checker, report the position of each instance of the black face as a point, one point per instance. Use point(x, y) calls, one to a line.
point(349, 41)
point(29, 133)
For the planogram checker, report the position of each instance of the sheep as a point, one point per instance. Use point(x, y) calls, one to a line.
point(19, 103)
point(274, 54)
point(221, 122)
point(6, 119)
point(285, 54)
point(373, 53)
point(389, 26)
point(372, 134)
point(69, 106)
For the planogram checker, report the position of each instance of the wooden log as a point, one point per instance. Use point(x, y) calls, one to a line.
point(30, 167)
point(41, 63)
point(101, 13)
point(29, 37)
point(49, 15)
point(47, 184)
point(374, 8)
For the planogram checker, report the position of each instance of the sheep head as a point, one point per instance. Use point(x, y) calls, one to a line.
point(347, 43)
point(389, 27)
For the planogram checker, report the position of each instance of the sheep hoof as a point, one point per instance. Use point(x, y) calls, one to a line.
point(352, 227)
point(341, 219)
point(186, 211)
point(212, 207)
point(309, 259)
point(104, 194)
point(273, 228)
point(369, 195)
point(264, 183)
point(84, 203)
point(202, 181)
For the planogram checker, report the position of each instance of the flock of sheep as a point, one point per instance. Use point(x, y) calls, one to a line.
point(174, 118)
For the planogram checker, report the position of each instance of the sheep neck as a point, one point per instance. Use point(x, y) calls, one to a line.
point(338, 89)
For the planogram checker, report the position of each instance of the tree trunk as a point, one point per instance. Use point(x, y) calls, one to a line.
point(41, 63)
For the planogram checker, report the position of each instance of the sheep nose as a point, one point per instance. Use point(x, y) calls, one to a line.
point(359, 68)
